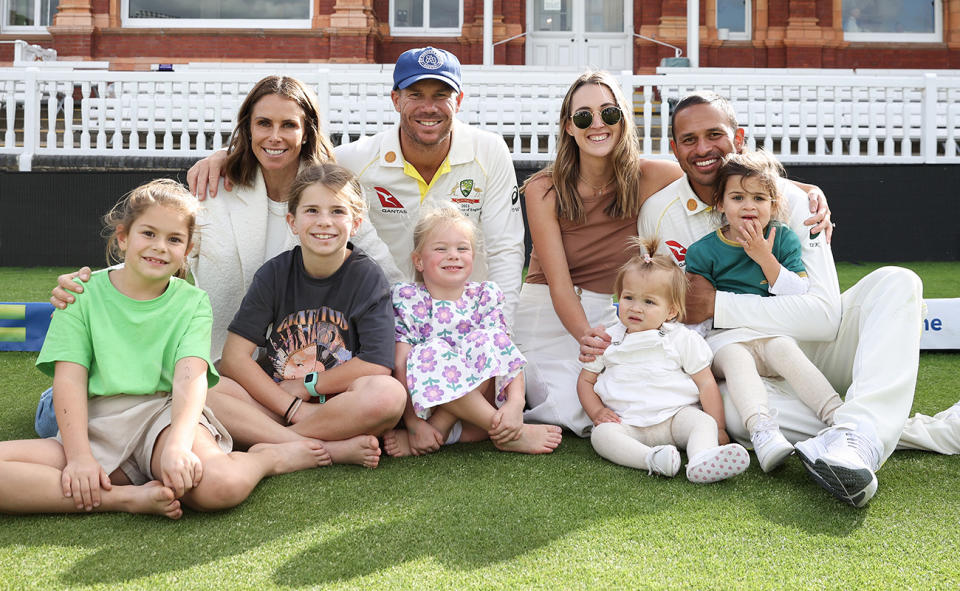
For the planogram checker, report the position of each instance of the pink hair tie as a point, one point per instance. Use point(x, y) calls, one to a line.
point(646, 258)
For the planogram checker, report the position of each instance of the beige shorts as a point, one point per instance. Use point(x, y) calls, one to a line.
point(123, 430)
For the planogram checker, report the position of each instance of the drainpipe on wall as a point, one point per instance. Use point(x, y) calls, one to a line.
point(488, 32)
point(693, 32)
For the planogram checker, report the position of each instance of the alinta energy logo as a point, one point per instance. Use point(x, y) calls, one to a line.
point(13, 323)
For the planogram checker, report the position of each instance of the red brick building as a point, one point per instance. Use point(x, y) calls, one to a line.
point(135, 34)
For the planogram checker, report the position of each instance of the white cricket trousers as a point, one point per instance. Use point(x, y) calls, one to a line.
point(873, 362)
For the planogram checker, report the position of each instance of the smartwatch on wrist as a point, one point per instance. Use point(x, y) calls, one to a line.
point(310, 383)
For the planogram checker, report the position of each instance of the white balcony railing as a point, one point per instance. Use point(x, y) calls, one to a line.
point(821, 116)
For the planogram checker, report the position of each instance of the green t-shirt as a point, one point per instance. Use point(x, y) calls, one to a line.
point(728, 267)
point(130, 346)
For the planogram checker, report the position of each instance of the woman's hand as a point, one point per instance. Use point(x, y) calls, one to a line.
point(593, 343)
point(66, 286)
point(81, 479)
point(180, 468)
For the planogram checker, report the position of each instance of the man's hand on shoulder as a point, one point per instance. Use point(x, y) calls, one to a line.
point(204, 176)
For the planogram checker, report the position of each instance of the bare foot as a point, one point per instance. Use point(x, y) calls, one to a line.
point(363, 450)
point(534, 439)
point(294, 455)
point(397, 443)
point(151, 498)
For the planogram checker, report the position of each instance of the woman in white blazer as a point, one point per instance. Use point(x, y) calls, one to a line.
point(278, 131)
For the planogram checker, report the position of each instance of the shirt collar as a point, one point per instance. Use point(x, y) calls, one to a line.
point(689, 199)
point(461, 148)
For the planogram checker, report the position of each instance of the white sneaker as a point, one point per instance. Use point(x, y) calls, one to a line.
point(771, 447)
point(842, 461)
point(664, 460)
point(717, 463)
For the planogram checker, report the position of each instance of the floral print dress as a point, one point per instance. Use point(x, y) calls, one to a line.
point(456, 345)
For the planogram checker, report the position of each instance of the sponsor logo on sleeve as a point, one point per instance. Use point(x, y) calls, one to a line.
point(515, 198)
point(678, 251)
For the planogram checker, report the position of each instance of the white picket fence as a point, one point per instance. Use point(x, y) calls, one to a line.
point(820, 116)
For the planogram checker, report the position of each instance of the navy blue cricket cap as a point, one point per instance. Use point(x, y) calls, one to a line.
point(414, 65)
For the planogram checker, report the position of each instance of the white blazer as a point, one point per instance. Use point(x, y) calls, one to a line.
point(229, 248)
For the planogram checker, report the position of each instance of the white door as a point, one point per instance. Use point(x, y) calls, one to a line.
point(580, 34)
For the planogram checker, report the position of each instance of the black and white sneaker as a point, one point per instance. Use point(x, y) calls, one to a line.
point(842, 461)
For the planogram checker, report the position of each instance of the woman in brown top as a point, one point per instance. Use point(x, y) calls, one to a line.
point(581, 211)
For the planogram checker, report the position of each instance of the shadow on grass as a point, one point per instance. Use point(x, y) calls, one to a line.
point(529, 503)
point(466, 508)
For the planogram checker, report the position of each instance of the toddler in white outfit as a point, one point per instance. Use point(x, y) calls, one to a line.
point(642, 394)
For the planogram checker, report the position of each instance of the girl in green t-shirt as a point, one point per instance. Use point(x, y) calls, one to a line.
point(130, 366)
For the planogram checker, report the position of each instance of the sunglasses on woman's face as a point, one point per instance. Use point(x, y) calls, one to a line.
point(584, 118)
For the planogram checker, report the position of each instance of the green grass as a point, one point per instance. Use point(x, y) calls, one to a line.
point(471, 517)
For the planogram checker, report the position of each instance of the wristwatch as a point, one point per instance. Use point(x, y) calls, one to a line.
point(310, 383)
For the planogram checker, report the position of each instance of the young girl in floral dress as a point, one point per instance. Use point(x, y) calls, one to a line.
point(460, 367)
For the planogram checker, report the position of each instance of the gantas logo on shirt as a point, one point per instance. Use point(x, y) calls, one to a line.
point(389, 203)
point(678, 251)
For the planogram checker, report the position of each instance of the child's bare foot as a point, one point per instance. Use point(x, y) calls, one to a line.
point(151, 498)
point(362, 450)
point(397, 443)
point(534, 439)
point(294, 455)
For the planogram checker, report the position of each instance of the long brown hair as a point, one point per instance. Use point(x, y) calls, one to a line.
point(242, 165)
point(565, 170)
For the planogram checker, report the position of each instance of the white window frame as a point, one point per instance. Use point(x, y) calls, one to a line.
point(220, 23)
point(5, 7)
point(893, 37)
point(426, 30)
point(747, 34)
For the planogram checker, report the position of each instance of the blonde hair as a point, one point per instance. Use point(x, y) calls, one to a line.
point(334, 177)
point(241, 166)
point(565, 170)
point(163, 192)
point(647, 263)
point(759, 165)
point(436, 219)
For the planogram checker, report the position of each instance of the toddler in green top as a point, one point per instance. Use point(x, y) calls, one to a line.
point(130, 366)
point(755, 254)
